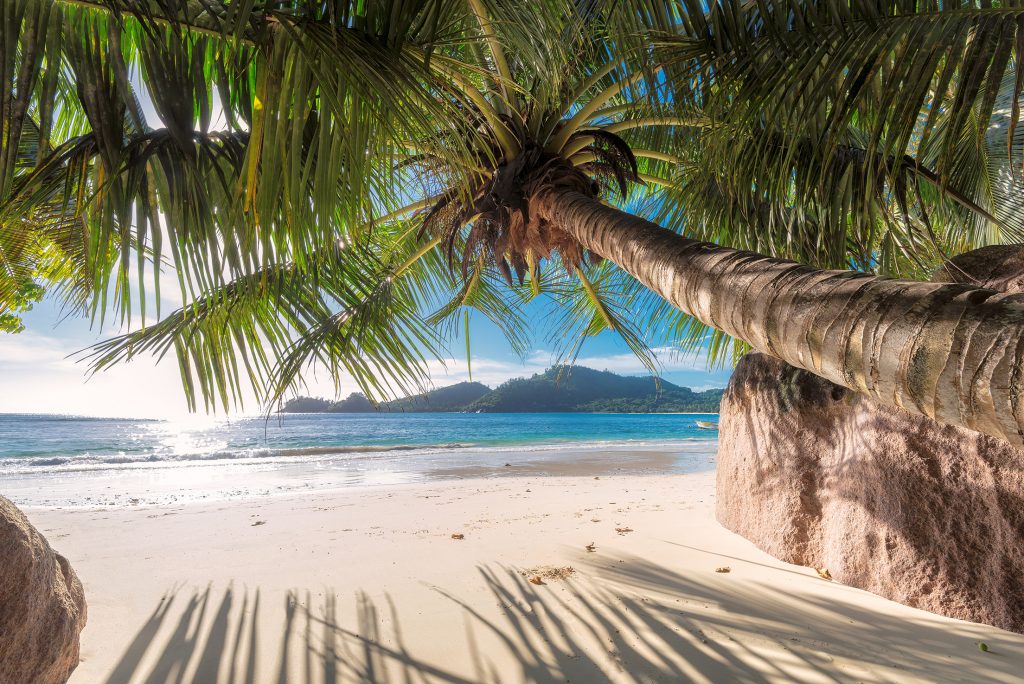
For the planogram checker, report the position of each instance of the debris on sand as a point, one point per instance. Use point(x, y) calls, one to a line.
point(258, 523)
point(623, 530)
point(823, 573)
point(591, 547)
point(724, 568)
point(458, 535)
point(548, 572)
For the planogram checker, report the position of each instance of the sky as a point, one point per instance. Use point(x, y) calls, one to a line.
point(42, 369)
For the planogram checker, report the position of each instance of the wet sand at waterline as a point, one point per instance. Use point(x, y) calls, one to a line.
point(368, 584)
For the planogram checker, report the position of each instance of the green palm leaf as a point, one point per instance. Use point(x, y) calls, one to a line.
point(336, 185)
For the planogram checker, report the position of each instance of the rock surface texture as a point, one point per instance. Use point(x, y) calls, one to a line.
point(42, 605)
point(922, 513)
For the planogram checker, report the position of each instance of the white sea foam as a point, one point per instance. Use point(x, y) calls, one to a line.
point(121, 461)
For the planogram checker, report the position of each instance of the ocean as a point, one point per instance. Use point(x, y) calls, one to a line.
point(50, 460)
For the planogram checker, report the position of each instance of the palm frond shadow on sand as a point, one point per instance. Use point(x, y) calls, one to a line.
point(628, 620)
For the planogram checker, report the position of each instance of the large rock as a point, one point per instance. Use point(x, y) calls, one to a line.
point(925, 514)
point(42, 605)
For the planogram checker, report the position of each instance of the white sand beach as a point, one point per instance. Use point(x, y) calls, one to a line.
point(368, 584)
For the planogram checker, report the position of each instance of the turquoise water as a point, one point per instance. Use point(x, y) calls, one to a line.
point(39, 443)
point(59, 461)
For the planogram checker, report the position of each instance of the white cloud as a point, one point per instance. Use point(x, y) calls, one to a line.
point(669, 361)
point(30, 349)
point(37, 376)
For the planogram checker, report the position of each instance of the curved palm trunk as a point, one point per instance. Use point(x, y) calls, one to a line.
point(952, 352)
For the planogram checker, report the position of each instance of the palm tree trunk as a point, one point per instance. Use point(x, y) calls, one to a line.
point(949, 351)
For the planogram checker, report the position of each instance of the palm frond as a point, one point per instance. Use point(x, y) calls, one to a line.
point(336, 185)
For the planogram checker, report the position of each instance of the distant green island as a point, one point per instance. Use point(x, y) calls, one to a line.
point(556, 390)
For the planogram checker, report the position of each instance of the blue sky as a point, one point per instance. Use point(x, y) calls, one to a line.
point(39, 374)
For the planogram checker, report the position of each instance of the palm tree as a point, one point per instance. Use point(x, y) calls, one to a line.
point(375, 160)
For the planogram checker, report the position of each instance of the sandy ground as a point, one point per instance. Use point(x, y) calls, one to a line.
point(367, 584)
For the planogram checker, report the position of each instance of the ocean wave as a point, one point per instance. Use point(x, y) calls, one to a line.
point(284, 455)
point(32, 464)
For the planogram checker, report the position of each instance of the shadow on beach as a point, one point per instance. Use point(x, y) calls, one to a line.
point(623, 620)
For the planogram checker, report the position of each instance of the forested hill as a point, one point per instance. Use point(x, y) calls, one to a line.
point(575, 390)
point(584, 390)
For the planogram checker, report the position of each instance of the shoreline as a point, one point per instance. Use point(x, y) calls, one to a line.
point(182, 482)
point(85, 463)
point(368, 583)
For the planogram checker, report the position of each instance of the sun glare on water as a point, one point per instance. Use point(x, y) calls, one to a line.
point(192, 435)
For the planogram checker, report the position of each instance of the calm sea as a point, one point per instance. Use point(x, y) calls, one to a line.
point(62, 460)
